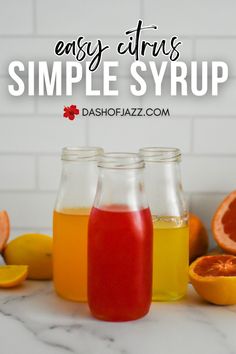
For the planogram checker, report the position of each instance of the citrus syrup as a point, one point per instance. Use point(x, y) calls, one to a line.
point(170, 258)
point(70, 228)
point(119, 263)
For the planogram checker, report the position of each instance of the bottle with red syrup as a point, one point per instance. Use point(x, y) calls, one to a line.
point(120, 241)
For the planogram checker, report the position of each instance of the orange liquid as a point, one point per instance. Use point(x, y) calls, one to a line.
point(70, 228)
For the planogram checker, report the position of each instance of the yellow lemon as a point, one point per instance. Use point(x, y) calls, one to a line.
point(12, 275)
point(214, 278)
point(34, 250)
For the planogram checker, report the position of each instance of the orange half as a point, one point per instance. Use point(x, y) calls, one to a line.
point(224, 224)
point(4, 229)
point(214, 278)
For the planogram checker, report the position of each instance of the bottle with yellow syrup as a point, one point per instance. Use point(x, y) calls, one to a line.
point(170, 223)
point(70, 221)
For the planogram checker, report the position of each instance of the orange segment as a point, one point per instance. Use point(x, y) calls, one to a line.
point(13, 275)
point(214, 278)
point(4, 229)
point(224, 224)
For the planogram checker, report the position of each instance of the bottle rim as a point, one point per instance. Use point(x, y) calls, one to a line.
point(81, 153)
point(160, 154)
point(121, 160)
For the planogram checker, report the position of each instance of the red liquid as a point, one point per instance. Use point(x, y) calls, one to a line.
point(119, 263)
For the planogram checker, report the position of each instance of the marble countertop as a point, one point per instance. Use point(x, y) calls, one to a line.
point(33, 320)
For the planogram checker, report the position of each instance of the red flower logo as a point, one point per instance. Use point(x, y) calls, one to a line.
point(71, 112)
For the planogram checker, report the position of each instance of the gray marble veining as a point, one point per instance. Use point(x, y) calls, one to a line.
point(34, 320)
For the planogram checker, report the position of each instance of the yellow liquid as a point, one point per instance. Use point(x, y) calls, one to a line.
point(170, 258)
point(70, 228)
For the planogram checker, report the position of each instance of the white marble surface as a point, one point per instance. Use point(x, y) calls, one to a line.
point(33, 320)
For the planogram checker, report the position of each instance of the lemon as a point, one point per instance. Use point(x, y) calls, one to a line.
point(33, 250)
point(12, 275)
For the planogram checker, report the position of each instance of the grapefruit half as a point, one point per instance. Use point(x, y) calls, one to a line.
point(224, 224)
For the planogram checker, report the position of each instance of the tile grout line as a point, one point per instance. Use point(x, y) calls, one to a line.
point(54, 191)
point(192, 136)
point(142, 12)
point(87, 133)
point(174, 116)
point(27, 191)
point(194, 49)
point(115, 36)
point(193, 155)
point(192, 120)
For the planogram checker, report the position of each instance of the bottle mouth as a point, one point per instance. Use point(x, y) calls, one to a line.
point(160, 154)
point(86, 153)
point(121, 160)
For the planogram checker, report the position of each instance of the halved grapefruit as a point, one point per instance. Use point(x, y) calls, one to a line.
point(214, 278)
point(224, 224)
point(4, 229)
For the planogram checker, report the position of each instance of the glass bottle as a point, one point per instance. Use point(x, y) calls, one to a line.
point(70, 221)
point(120, 241)
point(170, 222)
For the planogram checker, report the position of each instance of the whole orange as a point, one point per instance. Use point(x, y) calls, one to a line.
point(198, 238)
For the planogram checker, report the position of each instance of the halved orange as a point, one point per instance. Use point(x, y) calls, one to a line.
point(12, 275)
point(224, 224)
point(4, 229)
point(214, 278)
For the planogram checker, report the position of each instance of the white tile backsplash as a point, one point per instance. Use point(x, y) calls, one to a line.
point(49, 171)
point(17, 172)
point(215, 136)
point(29, 210)
point(219, 49)
point(126, 134)
point(33, 131)
point(16, 17)
point(191, 18)
point(205, 205)
point(209, 174)
point(86, 17)
point(14, 105)
point(39, 134)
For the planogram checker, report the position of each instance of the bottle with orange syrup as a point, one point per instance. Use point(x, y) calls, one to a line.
point(70, 221)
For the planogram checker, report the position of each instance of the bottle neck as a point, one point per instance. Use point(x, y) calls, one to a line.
point(121, 189)
point(164, 188)
point(78, 184)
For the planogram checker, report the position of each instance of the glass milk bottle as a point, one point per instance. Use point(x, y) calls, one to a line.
point(170, 222)
point(120, 241)
point(70, 221)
